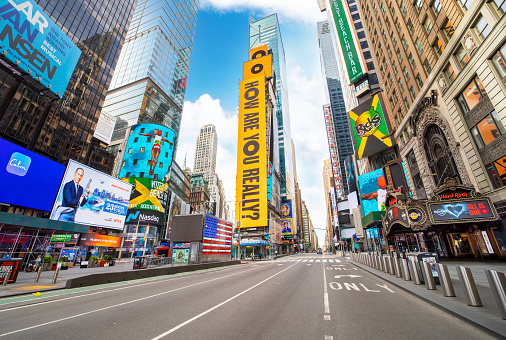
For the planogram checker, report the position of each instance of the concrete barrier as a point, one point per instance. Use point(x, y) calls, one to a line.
point(102, 278)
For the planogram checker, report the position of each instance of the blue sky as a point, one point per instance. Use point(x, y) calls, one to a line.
point(219, 49)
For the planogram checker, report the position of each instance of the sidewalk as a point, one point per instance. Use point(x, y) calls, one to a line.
point(487, 317)
point(25, 282)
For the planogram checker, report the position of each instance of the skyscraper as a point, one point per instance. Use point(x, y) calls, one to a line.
point(266, 31)
point(334, 94)
point(62, 129)
point(149, 83)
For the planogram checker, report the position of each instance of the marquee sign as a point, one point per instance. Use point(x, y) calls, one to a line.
point(334, 155)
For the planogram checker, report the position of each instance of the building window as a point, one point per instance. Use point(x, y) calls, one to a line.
point(399, 54)
point(472, 95)
point(488, 130)
point(418, 4)
point(136, 139)
point(466, 3)
point(135, 161)
point(406, 74)
point(500, 6)
point(404, 42)
point(449, 30)
point(123, 163)
point(412, 61)
point(363, 44)
point(394, 96)
point(394, 65)
point(410, 27)
point(398, 25)
point(142, 130)
point(497, 172)
point(161, 165)
point(389, 51)
point(128, 175)
point(387, 85)
point(419, 46)
point(401, 84)
point(450, 74)
point(393, 38)
point(130, 150)
point(462, 56)
point(499, 60)
point(141, 175)
point(438, 47)
point(148, 139)
point(407, 102)
point(412, 91)
point(482, 28)
point(142, 150)
point(427, 67)
point(427, 24)
point(403, 9)
point(419, 80)
point(436, 5)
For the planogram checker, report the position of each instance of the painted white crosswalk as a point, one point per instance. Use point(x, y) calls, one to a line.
point(309, 259)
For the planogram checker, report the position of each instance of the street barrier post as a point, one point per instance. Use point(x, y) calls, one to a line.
point(38, 274)
point(6, 277)
point(498, 284)
point(445, 280)
point(428, 278)
point(398, 269)
point(391, 266)
point(405, 269)
point(56, 272)
point(415, 274)
point(385, 262)
point(470, 289)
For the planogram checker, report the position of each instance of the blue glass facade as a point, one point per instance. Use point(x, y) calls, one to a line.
point(335, 97)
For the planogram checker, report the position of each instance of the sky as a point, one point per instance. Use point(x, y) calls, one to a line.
point(220, 47)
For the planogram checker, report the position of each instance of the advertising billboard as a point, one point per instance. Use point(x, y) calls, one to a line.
point(105, 127)
point(90, 197)
point(251, 189)
point(373, 192)
point(460, 212)
point(370, 125)
point(334, 155)
point(100, 240)
point(149, 151)
point(28, 179)
point(145, 206)
point(36, 44)
point(347, 40)
point(287, 226)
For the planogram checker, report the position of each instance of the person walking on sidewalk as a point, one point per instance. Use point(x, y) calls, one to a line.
point(260, 256)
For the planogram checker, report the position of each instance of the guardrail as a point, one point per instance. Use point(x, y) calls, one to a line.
point(416, 271)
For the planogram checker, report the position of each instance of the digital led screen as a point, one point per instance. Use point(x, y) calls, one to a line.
point(373, 192)
point(28, 179)
point(462, 211)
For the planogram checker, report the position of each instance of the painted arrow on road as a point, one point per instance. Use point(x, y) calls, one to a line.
point(352, 276)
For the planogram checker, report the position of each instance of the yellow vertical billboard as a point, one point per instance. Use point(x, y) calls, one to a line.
point(251, 181)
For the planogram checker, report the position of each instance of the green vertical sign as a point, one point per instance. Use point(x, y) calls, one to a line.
point(347, 41)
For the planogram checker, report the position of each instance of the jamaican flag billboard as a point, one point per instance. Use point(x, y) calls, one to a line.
point(370, 125)
point(147, 205)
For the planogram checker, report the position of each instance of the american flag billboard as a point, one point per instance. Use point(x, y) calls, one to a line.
point(217, 237)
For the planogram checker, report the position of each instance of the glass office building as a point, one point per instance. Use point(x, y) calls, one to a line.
point(149, 83)
point(334, 95)
point(62, 129)
point(266, 32)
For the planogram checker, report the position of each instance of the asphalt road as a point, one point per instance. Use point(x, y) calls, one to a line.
point(306, 296)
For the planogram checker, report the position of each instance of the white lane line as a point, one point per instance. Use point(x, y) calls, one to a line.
point(131, 284)
point(325, 293)
point(326, 317)
point(217, 306)
point(119, 304)
point(329, 337)
point(311, 260)
point(324, 260)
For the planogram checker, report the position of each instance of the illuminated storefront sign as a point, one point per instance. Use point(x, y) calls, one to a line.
point(100, 240)
point(334, 155)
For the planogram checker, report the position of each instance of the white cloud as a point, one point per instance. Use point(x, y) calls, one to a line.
point(207, 110)
point(297, 10)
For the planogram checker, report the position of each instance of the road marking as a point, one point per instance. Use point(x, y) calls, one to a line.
point(338, 265)
point(369, 290)
point(304, 260)
point(340, 276)
point(325, 294)
point(308, 264)
point(34, 287)
point(172, 330)
point(337, 260)
point(329, 337)
point(280, 264)
point(324, 260)
point(326, 317)
point(385, 286)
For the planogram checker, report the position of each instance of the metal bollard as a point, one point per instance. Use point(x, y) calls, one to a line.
point(369, 257)
point(56, 272)
point(380, 263)
point(38, 274)
point(377, 263)
point(430, 284)
point(445, 280)
point(6, 277)
point(415, 274)
point(391, 266)
point(385, 264)
point(470, 290)
point(405, 269)
point(398, 269)
point(498, 284)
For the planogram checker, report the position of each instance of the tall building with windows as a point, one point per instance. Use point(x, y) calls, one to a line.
point(205, 164)
point(334, 96)
point(149, 83)
point(62, 129)
point(266, 31)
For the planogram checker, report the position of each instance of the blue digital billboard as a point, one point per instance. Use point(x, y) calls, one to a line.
point(373, 192)
point(149, 151)
point(36, 44)
point(28, 179)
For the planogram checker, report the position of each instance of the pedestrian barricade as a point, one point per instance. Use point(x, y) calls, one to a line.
point(470, 289)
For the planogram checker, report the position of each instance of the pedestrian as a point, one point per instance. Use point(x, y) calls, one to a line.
point(260, 256)
point(37, 263)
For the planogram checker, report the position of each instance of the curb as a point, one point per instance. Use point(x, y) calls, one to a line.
point(478, 325)
point(30, 292)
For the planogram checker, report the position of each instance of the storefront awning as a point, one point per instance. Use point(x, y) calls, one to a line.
point(372, 219)
point(41, 223)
